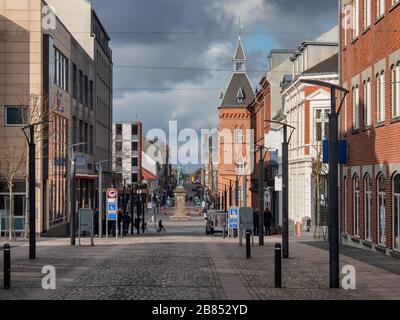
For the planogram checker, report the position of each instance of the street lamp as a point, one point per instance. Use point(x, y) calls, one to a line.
point(32, 185)
point(333, 220)
point(285, 183)
point(99, 166)
point(73, 189)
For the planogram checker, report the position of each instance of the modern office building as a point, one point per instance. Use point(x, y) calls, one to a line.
point(50, 75)
point(127, 153)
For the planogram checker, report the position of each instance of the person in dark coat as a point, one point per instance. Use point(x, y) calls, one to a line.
point(267, 221)
point(255, 222)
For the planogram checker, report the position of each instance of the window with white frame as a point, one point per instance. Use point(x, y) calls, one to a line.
point(380, 8)
point(380, 96)
point(356, 108)
point(356, 18)
point(367, 103)
point(321, 124)
point(381, 183)
point(61, 70)
point(367, 13)
point(396, 90)
point(368, 205)
point(240, 167)
point(356, 206)
point(396, 211)
point(239, 136)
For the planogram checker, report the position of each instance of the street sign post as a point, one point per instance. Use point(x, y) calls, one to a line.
point(112, 209)
point(233, 219)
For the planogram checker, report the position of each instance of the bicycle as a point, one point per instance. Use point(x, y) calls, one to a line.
point(163, 230)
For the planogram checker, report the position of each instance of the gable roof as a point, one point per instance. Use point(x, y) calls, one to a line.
point(238, 81)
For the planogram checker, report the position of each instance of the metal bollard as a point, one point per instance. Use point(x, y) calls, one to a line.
point(248, 253)
point(7, 266)
point(278, 265)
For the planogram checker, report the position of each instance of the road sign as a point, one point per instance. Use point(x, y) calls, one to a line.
point(233, 222)
point(112, 208)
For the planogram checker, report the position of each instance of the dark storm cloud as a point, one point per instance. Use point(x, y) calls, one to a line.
point(196, 34)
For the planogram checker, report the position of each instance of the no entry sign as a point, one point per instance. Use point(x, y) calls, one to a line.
point(112, 204)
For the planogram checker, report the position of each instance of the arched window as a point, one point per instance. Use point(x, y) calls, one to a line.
point(381, 184)
point(396, 211)
point(368, 205)
point(356, 206)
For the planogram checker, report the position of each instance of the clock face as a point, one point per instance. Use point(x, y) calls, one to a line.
point(238, 66)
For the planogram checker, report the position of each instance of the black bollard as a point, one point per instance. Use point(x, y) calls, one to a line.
point(248, 253)
point(7, 266)
point(278, 265)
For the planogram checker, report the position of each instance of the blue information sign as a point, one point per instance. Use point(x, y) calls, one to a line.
point(233, 218)
point(112, 217)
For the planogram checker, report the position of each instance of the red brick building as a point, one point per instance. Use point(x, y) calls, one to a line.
point(233, 127)
point(370, 122)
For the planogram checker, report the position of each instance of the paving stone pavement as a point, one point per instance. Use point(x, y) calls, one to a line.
point(184, 264)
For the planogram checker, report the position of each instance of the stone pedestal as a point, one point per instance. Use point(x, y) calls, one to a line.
point(180, 205)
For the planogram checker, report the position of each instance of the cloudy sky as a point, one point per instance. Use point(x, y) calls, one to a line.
point(172, 56)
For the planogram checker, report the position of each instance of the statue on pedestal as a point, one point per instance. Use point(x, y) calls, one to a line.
point(180, 197)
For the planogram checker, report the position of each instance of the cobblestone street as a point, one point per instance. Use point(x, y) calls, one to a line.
point(186, 264)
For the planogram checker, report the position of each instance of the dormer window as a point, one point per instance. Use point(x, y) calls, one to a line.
point(240, 96)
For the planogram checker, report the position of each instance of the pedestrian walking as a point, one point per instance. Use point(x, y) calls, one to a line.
point(267, 221)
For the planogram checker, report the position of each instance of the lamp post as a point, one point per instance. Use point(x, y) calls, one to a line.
point(333, 207)
point(32, 185)
point(99, 166)
point(73, 190)
point(285, 183)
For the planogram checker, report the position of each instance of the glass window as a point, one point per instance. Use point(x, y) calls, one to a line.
point(367, 13)
point(356, 108)
point(368, 206)
point(15, 115)
point(380, 8)
point(356, 206)
point(381, 182)
point(321, 124)
point(380, 96)
point(61, 70)
point(74, 81)
point(118, 129)
point(367, 103)
point(396, 91)
point(396, 211)
point(239, 136)
point(356, 19)
point(240, 168)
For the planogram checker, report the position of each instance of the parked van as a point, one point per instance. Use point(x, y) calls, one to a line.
point(217, 222)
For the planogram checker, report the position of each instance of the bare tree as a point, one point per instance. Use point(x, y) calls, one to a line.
point(35, 113)
point(12, 165)
point(320, 176)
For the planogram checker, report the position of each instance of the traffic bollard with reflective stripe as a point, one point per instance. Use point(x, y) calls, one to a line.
point(7, 266)
point(278, 265)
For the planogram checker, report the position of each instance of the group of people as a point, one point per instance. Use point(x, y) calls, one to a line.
point(268, 221)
